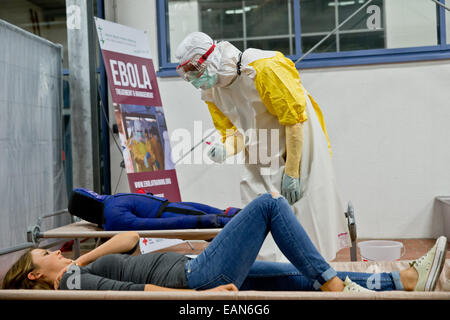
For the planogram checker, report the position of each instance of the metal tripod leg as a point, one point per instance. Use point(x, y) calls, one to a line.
point(76, 249)
point(76, 242)
point(350, 215)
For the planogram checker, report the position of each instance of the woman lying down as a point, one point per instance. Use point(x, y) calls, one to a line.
point(227, 264)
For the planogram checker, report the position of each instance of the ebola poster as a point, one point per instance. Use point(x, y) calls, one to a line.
point(138, 110)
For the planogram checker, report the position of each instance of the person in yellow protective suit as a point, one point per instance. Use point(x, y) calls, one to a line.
point(157, 148)
point(260, 92)
point(138, 148)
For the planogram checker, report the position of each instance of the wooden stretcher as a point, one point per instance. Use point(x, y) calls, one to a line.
point(442, 291)
point(84, 229)
point(199, 295)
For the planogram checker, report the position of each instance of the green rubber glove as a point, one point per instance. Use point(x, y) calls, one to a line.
point(290, 188)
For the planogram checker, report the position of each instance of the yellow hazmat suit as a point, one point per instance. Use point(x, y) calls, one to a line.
point(261, 100)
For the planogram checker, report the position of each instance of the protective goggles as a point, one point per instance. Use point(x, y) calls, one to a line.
point(195, 66)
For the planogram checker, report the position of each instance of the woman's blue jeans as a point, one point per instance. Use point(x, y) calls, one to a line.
point(230, 258)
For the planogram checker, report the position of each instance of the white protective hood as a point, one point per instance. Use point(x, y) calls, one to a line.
point(222, 61)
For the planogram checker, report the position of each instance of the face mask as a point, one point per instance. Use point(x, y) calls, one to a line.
point(139, 136)
point(205, 81)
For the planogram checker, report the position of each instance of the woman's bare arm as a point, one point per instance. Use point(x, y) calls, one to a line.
point(120, 243)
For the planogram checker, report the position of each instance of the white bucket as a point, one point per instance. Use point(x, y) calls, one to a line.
point(381, 250)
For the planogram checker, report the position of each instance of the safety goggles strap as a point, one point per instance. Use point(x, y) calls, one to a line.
point(200, 61)
point(206, 54)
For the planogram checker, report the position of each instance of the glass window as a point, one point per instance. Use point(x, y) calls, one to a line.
point(361, 41)
point(268, 18)
point(311, 40)
point(222, 20)
point(295, 26)
point(363, 31)
point(367, 19)
point(251, 23)
point(317, 16)
point(284, 45)
point(44, 18)
point(382, 24)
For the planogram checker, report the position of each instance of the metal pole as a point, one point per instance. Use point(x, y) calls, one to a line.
point(192, 149)
point(333, 31)
point(104, 115)
point(54, 214)
point(83, 94)
point(291, 46)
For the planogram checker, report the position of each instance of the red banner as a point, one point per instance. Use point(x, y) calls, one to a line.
point(137, 105)
point(132, 79)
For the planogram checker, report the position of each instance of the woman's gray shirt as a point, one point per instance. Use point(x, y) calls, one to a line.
point(125, 272)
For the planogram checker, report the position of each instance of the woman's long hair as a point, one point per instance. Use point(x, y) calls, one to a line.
point(17, 275)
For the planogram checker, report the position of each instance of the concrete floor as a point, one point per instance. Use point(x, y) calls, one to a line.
point(415, 248)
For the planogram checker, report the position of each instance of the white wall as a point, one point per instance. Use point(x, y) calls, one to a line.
point(389, 129)
point(388, 125)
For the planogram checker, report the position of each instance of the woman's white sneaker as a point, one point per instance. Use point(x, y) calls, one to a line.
point(351, 286)
point(429, 266)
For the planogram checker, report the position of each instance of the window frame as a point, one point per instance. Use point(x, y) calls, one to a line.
point(325, 59)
